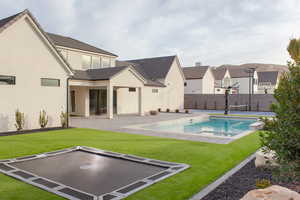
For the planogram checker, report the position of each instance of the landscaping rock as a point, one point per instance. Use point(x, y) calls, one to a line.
point(265, 159)
point(274, 192)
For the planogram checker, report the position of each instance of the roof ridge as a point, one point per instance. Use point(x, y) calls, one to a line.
point(150, 58)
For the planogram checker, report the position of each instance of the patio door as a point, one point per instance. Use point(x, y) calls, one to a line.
point(98, 104)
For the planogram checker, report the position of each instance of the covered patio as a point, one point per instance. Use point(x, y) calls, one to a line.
point(106, 93)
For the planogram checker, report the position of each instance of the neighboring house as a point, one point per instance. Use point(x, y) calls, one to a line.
point(199, 80)
point(33, 75)
point(268, 81)
point(222, 80)
point(38, 67)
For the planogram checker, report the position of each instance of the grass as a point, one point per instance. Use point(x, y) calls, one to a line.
point(208, 161)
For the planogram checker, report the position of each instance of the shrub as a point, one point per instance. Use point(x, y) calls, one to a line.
point(262, 183)
point(153, 112)
point(186, 111)
point(20, 120)
point(177, 110)
point(64, 119)
point(159, 110)
point(282, 133)
point(168, 110)
point(43, 119)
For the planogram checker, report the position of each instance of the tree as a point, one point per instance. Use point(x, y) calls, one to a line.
point(282, 133)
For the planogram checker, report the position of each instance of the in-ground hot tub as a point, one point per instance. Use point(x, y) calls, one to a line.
point(84, 173)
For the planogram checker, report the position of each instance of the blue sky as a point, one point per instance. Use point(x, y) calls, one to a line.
point(213, 32)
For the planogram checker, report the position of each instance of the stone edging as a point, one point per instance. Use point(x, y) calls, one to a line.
point(209, 188)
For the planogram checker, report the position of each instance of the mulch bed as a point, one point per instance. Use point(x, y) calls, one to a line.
point(10, 133)
point(243, 181)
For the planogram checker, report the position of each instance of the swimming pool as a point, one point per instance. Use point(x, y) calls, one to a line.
point(229, 127)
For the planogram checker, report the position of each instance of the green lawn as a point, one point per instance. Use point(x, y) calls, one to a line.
point(208, 161)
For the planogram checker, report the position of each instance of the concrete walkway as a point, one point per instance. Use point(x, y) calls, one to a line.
point(119, 123)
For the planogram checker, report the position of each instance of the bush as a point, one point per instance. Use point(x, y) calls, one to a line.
point(177, 110)
point(20, 120)
point(159, 110)
point(43, 119)
point(186, 111)
point(262, 183)
point(168, 110)
point(153, 112)
point(64, 119)
point(282, 133)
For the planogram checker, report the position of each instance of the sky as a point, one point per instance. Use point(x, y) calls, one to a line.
point(213, 32)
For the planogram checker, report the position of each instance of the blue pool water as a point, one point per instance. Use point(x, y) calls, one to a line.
point(217, 126)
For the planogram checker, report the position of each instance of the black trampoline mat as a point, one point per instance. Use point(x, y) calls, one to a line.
point(85, 174)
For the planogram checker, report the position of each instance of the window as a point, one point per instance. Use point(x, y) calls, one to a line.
point(154, 90)
point(226, 82)
point(86, 62)
point(50, 82)
point(105, 62)
point(131, 89)
point(7, 80)
point(96, 62)
point(185, 84)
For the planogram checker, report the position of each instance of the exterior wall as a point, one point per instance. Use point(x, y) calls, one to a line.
point(25, 55)
point(127, 102)
point(81, 101)
point(74, 57)
point(259, 102)
point(193, 86)
point(172, 96)
point(208, 82)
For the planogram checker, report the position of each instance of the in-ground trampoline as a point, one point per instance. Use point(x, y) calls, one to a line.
point(84, 173)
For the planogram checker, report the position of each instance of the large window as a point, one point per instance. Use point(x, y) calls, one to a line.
point(7, 80)
point(96, 62)
point(86, 62)
point(105, 62)
point(50, 82)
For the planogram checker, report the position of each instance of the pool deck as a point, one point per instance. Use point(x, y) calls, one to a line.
point(121, 123)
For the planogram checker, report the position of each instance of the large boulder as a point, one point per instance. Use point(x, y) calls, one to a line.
point(265, 159)
point(274, 192)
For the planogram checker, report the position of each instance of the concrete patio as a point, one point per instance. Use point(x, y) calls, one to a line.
point(120, 122)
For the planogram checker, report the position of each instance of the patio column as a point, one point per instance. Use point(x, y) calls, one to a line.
point(86, 102)
point(109, 101)
point(141, 103)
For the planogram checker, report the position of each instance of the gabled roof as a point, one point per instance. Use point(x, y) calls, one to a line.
point(197, 72)
point(154, 68)
point(64, 41)
point(219, 73)
point(6, 22)
point(268, 76)
point(97, 74)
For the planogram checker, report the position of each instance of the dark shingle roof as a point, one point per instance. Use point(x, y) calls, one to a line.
point(238, 71)
point(76, 44)
point(219, 73)
point(97, 74)
point(153, 68)
point(197, 72)
point(4, 21)
point(268, 76)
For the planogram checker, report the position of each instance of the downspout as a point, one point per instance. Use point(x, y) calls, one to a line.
point(68, 101)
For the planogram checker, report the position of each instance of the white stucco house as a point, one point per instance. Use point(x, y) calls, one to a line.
point(33, 75)
point(199, 80)
point(228, 75)
point(268, 81)
point(55, 73)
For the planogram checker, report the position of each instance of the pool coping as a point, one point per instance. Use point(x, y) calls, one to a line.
point(172, 168)
point(203, 134)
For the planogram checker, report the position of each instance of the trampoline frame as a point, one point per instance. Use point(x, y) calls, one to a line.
point(171, 169)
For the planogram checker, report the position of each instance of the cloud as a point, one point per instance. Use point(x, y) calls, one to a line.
point(212, 31)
